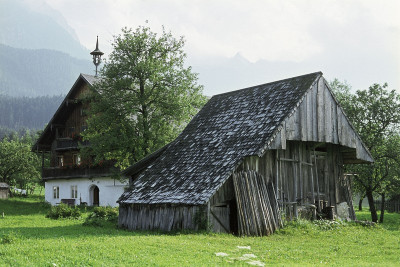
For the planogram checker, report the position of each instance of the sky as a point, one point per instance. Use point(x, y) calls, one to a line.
point(235, 44)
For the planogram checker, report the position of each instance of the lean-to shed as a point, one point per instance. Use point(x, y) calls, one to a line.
point(247, 158)
point(4, 190)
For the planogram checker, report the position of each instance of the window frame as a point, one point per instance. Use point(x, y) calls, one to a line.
point(76, 159)
point(56, 192)
point(74, 191)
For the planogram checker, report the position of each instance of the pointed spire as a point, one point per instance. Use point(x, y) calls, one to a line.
point(97, 55)
point(97, 43)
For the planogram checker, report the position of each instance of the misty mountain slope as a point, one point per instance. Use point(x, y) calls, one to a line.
point(40, 72)
point(35, 25)
point(27, 112)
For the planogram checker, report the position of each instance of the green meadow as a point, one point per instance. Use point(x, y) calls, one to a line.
point(28, 238)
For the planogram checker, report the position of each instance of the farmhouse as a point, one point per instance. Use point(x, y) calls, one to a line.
point(4, 190)
point(247, 159)
point(70, 178)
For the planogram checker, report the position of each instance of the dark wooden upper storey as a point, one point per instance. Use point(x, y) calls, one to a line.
point(69, 119)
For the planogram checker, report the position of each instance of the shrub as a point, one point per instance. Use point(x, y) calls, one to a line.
point(64, 211)
point(102, 216)
point(8, 238)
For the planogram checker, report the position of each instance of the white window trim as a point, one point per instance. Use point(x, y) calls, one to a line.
point(74, 191)
point(56, 192)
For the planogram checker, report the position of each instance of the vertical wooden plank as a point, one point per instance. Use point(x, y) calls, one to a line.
point(328, 116)
point(320, 113)
point(314, 111)
point(309, 116)
point(300, 170)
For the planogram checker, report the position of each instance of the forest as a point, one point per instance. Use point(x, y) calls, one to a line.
point(20, 113)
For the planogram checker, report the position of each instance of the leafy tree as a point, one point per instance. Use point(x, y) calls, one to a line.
point(375, 113)
point(18, 165)
point(144, 99)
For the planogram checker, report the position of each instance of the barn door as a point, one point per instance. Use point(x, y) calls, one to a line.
point(322, 182)
point(257, 206)
point(296, 180)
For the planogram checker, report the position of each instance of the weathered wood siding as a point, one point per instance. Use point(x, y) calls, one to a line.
point(319, 118)
point(303, 173)
point(222, 209)
point(163, 217)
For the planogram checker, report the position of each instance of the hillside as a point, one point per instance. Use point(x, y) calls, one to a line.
point(39, 72)
point(18, 113)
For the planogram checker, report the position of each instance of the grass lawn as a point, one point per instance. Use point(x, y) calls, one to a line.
point(27, 238)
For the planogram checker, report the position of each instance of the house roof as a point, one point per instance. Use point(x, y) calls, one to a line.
point(230, 127)
point(59, 117)
point(4, 185)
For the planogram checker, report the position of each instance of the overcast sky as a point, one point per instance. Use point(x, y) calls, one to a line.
point(357, 41)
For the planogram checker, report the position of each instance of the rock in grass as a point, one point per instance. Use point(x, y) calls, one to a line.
point(256, 263)
point(221, 254)
point(243, 247)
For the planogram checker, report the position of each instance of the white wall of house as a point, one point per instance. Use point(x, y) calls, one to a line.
point(109, 190)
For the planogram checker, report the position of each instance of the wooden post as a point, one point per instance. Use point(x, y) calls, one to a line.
point(317, 182)
point(208, 215)
point(300, 171)
point(295, 188)
point(312, 181)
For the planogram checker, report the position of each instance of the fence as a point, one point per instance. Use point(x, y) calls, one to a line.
point(390, 206)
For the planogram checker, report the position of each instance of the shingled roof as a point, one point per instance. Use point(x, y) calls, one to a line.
point(230, 127)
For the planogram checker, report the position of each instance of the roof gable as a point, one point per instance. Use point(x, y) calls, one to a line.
point(230, 127)
point(63, 109)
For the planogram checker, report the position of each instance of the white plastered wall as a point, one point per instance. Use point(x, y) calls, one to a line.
point(109, 190)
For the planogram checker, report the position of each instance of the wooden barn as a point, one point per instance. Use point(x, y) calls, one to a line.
point(249, 158)
point(4, 190)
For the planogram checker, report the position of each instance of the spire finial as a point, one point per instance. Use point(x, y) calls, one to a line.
point(97, 43)
point(97, 55)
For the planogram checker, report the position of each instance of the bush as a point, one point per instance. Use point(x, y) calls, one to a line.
point(8, 238)
point(64, 211)
point(102, 216)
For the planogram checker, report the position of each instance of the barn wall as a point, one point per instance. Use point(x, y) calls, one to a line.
point(163, 217)
point(303, 173)
point(318, 118)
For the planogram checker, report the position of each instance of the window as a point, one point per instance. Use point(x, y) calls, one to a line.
point(83, 127)
point(74, 191)
point(56, 192)
point(76, 158)
point(60, 161)
point(71, 131)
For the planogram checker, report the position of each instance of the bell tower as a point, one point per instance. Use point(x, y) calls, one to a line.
point(97, 55)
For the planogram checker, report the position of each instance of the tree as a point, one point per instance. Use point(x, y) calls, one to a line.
point(18, 165)
point(375, 113)
point(144, 99)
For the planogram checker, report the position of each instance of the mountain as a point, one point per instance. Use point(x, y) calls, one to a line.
point(27, 112)
point(35, 25)
point(40, 72)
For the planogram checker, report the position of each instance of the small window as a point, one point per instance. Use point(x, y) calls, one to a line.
point(76, 159)
point(74, 191)
point(56, 192)
point(60, 161)
point(71, 131)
